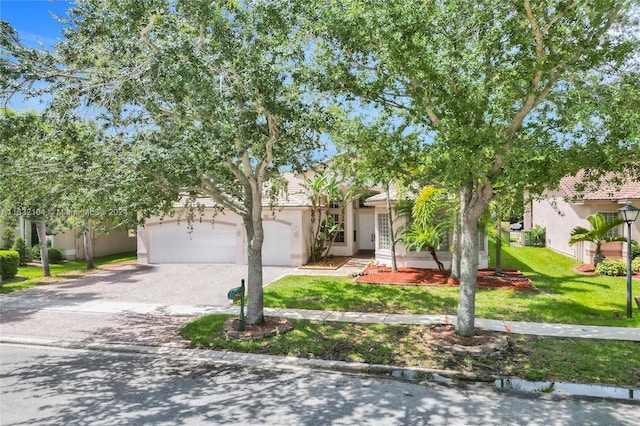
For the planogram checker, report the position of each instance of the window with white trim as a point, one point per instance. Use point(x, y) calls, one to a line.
point(340, 234)
point(617, 231)
point(384, 232)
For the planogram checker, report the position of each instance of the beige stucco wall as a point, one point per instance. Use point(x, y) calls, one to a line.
point(115, 241)
point(560, 217)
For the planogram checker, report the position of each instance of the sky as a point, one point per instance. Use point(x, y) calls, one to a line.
point(33, 19)
point(35, 24)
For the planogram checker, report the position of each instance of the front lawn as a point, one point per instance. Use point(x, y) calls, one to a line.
point(71, 269)
point(563, 296)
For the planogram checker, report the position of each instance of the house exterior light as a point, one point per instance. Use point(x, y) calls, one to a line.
point(629, 214)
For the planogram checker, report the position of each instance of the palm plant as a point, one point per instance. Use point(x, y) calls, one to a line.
point(426, 229)
point(429, 236)
point(600, 227)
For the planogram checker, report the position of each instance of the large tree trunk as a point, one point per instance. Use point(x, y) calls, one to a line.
point(394, 264)
point(88, 247)
point(255, 238)
point(457, 247)
point(473, 202)
point(41, 229)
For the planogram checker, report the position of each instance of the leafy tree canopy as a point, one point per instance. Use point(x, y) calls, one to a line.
point(502, 92)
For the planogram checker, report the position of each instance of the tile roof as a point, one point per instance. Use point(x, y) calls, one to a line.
point(295, 196)
point(611, 187)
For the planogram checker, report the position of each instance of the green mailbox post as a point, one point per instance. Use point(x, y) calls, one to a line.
point(234, 294)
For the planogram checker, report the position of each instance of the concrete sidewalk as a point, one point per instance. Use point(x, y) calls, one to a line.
point(13, 306)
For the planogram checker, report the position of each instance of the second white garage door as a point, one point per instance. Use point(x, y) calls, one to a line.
point(172, 243)
point(276, 250)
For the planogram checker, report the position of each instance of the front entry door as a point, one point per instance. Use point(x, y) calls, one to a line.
point(366, 231)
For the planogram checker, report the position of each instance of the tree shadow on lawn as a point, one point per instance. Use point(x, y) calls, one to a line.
point(550, 311)
point(552, 283)
point(510, 262)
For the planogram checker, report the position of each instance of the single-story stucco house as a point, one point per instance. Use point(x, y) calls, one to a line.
point(70, 241)
point(568, 206)
point(287, 234)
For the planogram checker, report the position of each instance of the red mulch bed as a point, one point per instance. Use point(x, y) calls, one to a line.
point(487, 278)
point(586, 269)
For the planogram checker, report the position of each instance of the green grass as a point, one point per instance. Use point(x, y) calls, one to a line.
point(563, 296)
point(532, 358)
point(71, 269)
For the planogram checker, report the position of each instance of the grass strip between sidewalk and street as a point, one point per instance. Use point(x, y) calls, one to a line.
point(529, 357)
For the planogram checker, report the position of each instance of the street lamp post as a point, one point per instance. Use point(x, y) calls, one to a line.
point(629, 214)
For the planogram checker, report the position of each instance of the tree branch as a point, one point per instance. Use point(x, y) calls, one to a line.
point(145, 30)
point(212, 190)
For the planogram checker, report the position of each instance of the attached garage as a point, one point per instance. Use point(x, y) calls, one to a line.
point(223, 241)
point(206, 243)
point(276, 249)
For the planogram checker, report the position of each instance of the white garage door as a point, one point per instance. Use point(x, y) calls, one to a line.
point(276, 250)
point(172, 243)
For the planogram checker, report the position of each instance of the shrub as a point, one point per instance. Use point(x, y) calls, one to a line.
point(8, 238)
point(635, 249)
point(21, 247)
point(35, 252)
point(635, 264)
point(9, 262)
point(536, 237)
point(56, 255)
point(612, 267)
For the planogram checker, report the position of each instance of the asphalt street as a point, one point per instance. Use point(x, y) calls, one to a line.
point(44, 385)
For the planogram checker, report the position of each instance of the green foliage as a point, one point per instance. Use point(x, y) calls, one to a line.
point(35, 252)
point(429, 202)
point(600, 227)
point(426, 229)
point(490, 89)
point(635, 249)
point(635, 265)
point(612, 267)
point(9, 262)
point(325, 188)
point(536, 237)
point(8, 238)
point(225, 79)
point(56, 255)
point(25, 253)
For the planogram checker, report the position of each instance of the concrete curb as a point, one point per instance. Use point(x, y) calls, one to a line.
point(415, 375)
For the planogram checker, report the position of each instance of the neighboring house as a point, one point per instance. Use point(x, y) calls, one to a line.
point(287, 234)
point(561, 210)
point(70, 241)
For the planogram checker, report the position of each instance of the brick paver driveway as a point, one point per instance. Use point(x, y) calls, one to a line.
point(175, 284)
